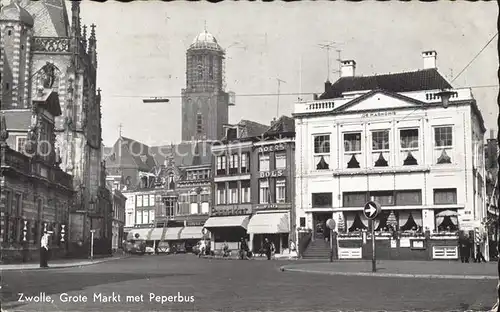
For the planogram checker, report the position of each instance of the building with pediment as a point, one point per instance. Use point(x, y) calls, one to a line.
point(43, 45)
point(389, 138)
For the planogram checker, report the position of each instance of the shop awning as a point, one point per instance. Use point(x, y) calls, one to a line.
point(269, 223)
point(227, 221)
point(192, 232)
point(144, 234)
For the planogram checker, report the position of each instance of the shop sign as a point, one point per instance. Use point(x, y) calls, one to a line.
point(272, 148)
point(195, 223)
point(273, 206)
point(378, 114)
point(271, 174)
point(231, 211)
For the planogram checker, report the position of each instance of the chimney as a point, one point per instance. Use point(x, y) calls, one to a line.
point(348, 68)
point(328, 86)
point(429, 59)
point(273, 121)
point(315, 97)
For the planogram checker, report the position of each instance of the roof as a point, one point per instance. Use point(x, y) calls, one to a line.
point(51, 17)
point(283, 124)
point(193, 153)
point(128, 152)
point(14, 12)
point(251, 128)
point(205, 40)
point(426, 79)
point(17, 119)
point(50, 100)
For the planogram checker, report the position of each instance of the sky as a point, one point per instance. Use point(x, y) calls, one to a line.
point(142, 53)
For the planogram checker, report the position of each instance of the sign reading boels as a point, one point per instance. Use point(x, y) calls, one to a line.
point(272, 148)
point(271, 174)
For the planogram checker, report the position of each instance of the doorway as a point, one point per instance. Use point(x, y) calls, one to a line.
point(321, 231)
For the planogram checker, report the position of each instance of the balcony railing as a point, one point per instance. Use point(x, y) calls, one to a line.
point(25, 165)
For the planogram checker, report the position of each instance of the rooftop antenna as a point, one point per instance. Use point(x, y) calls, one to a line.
point(120, 126)
point(300, 79)
point(327, 47)
point(339, 60)
point(205, 25)
point(278, 104)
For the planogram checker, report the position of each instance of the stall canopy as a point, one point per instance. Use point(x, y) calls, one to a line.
point(228, 221)
point(192, 232)
point(156, 233)
point(140, 234)
point(269, 223)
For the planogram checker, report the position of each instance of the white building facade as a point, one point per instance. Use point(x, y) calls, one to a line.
point(422, 162)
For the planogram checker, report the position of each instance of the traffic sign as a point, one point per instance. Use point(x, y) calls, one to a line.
point(372, 209)
point(330, 223)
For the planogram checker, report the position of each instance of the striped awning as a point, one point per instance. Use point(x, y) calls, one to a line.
point(192, 232)
point(227, 221)
point(169, 233)
point(269, 223)
point(143, 234)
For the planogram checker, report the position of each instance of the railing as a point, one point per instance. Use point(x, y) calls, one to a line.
point(24, 164)
point(51, 44)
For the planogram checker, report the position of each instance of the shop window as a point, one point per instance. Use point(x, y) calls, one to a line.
point(264, 192)
point(445, 196)
point(264, 163)
point(322, 200)
point(281, 190)
point(384, 198)
point(354, 199)
point(322, 152)
point(409, 198)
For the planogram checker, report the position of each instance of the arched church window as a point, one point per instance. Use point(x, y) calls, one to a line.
point(211, 67)
point(199, 123)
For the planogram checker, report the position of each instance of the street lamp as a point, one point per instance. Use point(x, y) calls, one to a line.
point(445, 96)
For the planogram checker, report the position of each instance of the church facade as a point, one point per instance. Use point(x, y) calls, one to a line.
point(42, 49)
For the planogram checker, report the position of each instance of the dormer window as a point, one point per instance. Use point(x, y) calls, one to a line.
point(232, 134)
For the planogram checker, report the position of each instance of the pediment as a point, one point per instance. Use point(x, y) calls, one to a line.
point(379, 100)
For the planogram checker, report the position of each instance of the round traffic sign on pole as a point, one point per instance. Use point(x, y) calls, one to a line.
point(372, 209)
point(330, 223)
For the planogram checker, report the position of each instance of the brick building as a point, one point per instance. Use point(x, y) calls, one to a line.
point(40, 47)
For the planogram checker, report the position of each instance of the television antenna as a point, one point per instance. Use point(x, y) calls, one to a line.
point(327, 47)
point(278, 103)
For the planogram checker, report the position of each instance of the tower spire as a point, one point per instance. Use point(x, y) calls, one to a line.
point(205, 26)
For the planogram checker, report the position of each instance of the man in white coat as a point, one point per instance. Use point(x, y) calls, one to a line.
point(44, 250)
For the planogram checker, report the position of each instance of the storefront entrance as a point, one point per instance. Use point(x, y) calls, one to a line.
point(320, 229)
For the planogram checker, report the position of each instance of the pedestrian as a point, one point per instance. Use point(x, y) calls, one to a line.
point(44, 250)
point(464, 249)
point(202, 249)
point(267, 248)
point(273, 250)
point(243, 249)
point(479, 255)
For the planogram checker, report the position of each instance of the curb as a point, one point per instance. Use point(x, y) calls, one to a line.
point(63, 266)
point(399, 275)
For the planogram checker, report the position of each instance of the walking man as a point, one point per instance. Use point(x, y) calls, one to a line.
point(267, 249)
point(44, 251)
point(479, 254)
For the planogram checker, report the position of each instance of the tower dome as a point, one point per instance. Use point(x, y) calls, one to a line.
point(14, 12)
point(205, 40)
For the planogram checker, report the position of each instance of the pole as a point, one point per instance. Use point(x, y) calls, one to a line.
point(374, 259)
point(91, 245)
point(331, 245)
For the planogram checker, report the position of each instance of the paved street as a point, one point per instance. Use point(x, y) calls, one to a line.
point(236, 285)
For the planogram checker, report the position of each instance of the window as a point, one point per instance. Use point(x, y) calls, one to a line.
point(322, 144)
point(9, 32)
point(221, 165)
point(354, 199)
point(352, 142)
point(171, 181)
point(445, 196)
point(302, 222)
point(211, 67)
point(221, 193)
point(280, 190)
point(170, 206)
point(145, 216)
point(380, 140)
point(409, 138)
point(233, 193)
point(233, 164)
point(199, 123)
point(21, 143)
point(7, 86)
point(245, 191)
point(245, 166)
point(280, 160)
point(145, 201)
point(138, 200)
point(322, 200)
point(409, 197)
point(384, 198)
point(138, 217)
point(193, 203)
point(151, 200)
point(263, 162)
point(263, 191)
point(443, 137)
